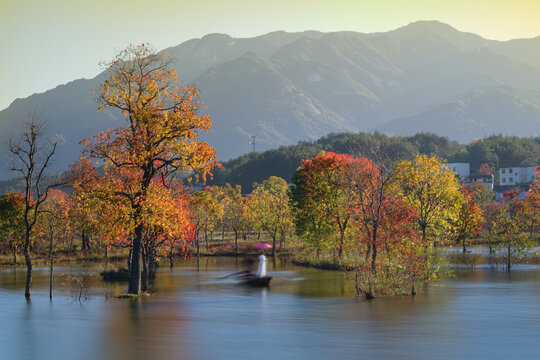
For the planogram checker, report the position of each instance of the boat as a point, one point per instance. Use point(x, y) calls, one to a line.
point(258, 281)
point(250, 279)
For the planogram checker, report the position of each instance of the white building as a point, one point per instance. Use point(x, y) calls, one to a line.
point(516, 175)
point(462, 170)
point(486, 180)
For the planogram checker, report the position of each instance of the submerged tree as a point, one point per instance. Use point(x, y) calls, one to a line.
point(161, 136)
point(32, 156)
point(506, 225)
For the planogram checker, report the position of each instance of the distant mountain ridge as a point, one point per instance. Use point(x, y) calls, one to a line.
point(285, 87)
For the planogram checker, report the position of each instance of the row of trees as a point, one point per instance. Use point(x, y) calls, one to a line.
point(379, 221)
point(92, 216)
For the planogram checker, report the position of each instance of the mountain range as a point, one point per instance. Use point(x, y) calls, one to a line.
point(285, 87)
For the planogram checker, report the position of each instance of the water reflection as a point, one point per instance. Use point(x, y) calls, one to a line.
point(306, 314)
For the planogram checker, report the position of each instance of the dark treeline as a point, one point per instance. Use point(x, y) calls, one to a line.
point(496, 150)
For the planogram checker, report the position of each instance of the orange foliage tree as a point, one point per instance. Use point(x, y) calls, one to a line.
point(55, 224)
point(161, 136)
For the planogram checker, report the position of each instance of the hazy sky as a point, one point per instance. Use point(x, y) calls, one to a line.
point(50, 42)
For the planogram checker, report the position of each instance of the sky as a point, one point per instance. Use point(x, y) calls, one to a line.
point(46, 43)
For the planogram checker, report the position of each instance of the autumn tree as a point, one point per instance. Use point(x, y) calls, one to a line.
point(32, 154)
point(506, 224)
point(320, 205)
point(54, 224)
point(96, 208)
point(484, 169)
point(391, 253)
point(12, 221)
point(369, 188)
point(234, 210)
point(430, 189)
point(161, 136)
point(218, 193)
point(271, 204)
point(167, 217)
point(466, 221)
point(531, 204)
point(205, 211)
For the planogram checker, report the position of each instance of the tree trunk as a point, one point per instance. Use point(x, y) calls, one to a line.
point(198, 248)
point(129, 261)
point(374, 255)
point(341, 239)
point(273, 245)
point(51, 281)
point(83, 240)
point(15, 254)
point(144, 274)
point(509, 258)
point(236, 240)
point(134, 286)
point(70, 246)
point(28, 265)
point(464, 247)
point(51, 264)
point(206, 240)
point(171, 259)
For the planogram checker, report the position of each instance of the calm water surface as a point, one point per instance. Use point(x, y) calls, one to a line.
point(306, 314)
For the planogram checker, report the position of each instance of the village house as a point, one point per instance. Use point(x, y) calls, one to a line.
point(512, 176)
point(463, 172)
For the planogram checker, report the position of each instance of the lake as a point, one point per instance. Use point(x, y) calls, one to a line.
point(306, 314)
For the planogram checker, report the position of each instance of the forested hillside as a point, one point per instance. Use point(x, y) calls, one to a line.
point(497, 151)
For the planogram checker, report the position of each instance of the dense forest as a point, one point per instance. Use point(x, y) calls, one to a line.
point(496, 150)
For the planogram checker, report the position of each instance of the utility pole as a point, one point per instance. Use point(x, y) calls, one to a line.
point(252, 142)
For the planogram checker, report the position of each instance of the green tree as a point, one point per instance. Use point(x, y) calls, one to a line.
point(205, 213)
point(270, 201)
point(321, 207)
point(235, 211)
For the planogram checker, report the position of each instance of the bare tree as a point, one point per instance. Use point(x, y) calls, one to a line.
point(32, 155)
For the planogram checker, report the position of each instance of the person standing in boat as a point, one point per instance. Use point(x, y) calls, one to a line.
point(261, 271)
